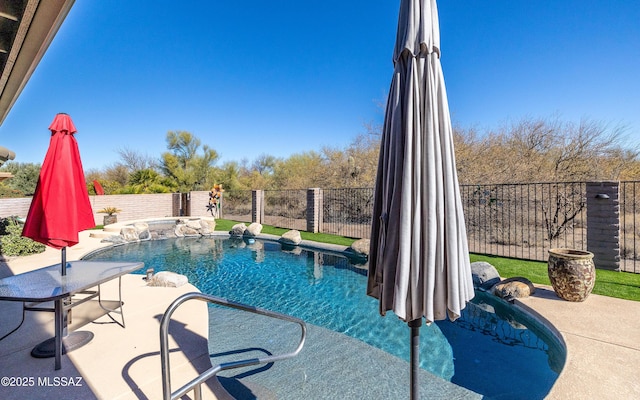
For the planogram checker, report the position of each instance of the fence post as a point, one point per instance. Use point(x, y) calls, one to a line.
point(603, 223)
point(314, 210)
point(257, 206)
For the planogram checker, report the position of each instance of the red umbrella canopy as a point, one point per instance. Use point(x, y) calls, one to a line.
point(98, 188)
point(60, 207)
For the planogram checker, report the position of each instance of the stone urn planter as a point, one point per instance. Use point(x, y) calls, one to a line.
point(572, 273)
point(111, 217)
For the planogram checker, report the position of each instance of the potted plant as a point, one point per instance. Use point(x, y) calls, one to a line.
point(111, 217)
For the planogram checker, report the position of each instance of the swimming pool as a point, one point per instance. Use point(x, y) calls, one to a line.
point(493, 349)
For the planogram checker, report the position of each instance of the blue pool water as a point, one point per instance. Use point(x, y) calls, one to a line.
point(492, 349)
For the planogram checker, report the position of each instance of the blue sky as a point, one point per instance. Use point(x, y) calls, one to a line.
point(283, 77)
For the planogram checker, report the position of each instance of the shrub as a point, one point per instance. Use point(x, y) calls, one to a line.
point(12, 243)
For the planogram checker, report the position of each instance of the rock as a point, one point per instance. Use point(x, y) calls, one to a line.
point(143, 231)
point(162, 234)
point(167, 279)
point(361, 247)
point(144, 235)
point(193, 224)
point(207, 226)
point(129, 233)
point(253, 230)
point(514, 288)
point(291, 237)
point(154, 231)
point(358, 253)
point(238, 229)
point(484, 275)
point(141, 226)
point(185, 230)
point(115, 239)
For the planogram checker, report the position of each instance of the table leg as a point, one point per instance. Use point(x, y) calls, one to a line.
point(59, 317)
point(61, 343)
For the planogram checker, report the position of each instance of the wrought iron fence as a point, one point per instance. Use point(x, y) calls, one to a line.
point(524, 220)
point(511, 220)
point(286, 208)
point(347, 212)
point(236, 205)
point(629, 232)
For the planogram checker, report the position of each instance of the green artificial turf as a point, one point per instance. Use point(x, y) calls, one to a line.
point(623, 285)
point(535, 271)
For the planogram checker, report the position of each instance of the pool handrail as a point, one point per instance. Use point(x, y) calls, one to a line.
point(196, 383)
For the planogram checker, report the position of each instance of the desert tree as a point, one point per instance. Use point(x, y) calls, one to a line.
point(188, 163)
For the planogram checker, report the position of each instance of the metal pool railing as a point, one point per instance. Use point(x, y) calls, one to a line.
point(196, 384)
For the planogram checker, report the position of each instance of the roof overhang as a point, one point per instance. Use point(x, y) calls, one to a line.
point(27, 27)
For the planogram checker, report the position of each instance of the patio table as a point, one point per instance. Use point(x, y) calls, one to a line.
point(47, 284)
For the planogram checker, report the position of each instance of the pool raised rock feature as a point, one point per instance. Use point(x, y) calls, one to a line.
point(157, 229)
point(495, 350)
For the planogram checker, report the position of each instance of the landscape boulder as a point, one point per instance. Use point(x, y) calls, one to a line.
point(253, 230)
point(167, 279)
point(144, 235)
point(291, 237)
point(188, 229)
point(129, 233)
point(238, 229)
point(484, 275)
point(115, 239)
point(514, 288)
point(142, 229)
point(361, 247)
point(207, 226)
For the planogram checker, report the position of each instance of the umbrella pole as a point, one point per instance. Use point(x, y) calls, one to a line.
point(415, 357)
point(64, 261)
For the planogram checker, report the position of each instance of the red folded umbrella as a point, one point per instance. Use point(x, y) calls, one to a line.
point(60, 207)
point(98, 188)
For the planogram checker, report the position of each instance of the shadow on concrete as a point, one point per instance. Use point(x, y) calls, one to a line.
point(194, 348)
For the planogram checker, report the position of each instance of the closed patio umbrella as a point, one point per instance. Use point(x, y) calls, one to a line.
point(60, 208)
point(419, 263)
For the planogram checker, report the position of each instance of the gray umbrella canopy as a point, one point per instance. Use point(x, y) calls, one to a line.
point(419, 258)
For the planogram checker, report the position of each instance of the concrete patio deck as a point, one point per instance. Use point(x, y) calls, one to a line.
point(602, 336)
